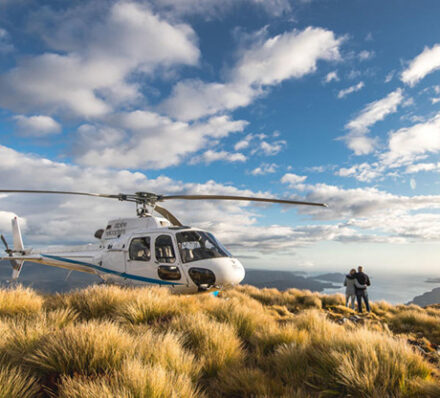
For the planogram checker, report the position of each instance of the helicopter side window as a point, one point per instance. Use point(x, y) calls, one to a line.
point(164, 249)
point(140, 249)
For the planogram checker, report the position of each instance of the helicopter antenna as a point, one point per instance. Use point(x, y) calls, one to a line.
point(146, 202)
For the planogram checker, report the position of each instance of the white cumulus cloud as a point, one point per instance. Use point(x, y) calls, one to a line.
point(331, 76)
point(142, 139)
point(264, 168)
point(293, 180)
point(289, 55)
point(213, 156)
point(352, 89)
point(357, 140)
point(425, 63)
point(92, 75)
point(37, 125)
point(364, 55)
point(362, 172)
point(408, 144)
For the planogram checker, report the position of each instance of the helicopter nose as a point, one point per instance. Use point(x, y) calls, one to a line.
point(217, 272)
point(231, 273)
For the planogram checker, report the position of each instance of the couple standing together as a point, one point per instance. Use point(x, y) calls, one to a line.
point(356, 286)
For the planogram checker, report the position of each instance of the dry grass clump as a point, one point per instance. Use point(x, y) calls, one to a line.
point(432, 310)
point(357, 362)
point(293, 299)
point(214, 343)
point(155, 381)
point(94, 302)
point(416, 321)
point(238, 381)
point(424, 388)
point(20, 337)
point(264, 296)
point(382, 308)
point(166, 349)
point(246, 320)
point(271, 335)
point(19, 301)
point(77, 387)
point(88, 348)
point(302, 299)
point(133, 380)
point(150, 306)
point(14, 382)
point(330, 300)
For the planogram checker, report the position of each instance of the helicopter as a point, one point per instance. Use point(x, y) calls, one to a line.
point(155, 250)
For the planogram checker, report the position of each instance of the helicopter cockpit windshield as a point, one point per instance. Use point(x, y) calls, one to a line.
point(199, 245)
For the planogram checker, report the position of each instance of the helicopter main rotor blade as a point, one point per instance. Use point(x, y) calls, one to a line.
point(168, 215)
point(244, 198)
point(152, 198)
point(99, 195)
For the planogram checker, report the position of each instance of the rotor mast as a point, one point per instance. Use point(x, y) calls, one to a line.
point(145, 202)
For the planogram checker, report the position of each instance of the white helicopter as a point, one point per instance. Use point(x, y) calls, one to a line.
point(147, 250)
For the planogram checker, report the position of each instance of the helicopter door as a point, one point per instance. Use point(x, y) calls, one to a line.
point(168, 267)
point(139, 261)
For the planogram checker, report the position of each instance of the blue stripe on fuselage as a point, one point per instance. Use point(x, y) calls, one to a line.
point(110, 271)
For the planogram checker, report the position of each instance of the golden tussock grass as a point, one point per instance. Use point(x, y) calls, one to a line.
point(246, 320)
point(87, 348)
point(357, 362)
point(166, 349)
point(14, 383)
point(93, 302)
point(19, 301)
point(150, 306)
point(108, 341)
point(416, 321)
point(133, 380)
point(214, 343)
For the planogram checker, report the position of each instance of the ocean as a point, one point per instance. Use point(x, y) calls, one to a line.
point(396, 289)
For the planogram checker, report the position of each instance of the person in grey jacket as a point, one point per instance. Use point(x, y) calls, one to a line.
point(351, 283)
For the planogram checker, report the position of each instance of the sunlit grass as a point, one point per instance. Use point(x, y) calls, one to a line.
point(416, 321)
point(214, 343)
point(87, 348)
point(14, 383)
point(167, 350)
point(94, 302)
point(358, 362)
point(19, 301)
point(109, 341)
point(134, 379)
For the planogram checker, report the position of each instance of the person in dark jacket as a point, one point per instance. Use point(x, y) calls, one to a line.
point(361, 289)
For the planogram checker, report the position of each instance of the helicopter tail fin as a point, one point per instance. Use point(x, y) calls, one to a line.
point(16, 233)
point(18, 247)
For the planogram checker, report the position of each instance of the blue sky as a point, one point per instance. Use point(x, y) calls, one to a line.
point(333, 101)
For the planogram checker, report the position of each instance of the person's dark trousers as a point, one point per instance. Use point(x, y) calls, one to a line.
point(362, 294)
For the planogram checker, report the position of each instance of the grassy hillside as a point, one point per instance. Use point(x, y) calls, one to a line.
point(107, 341)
